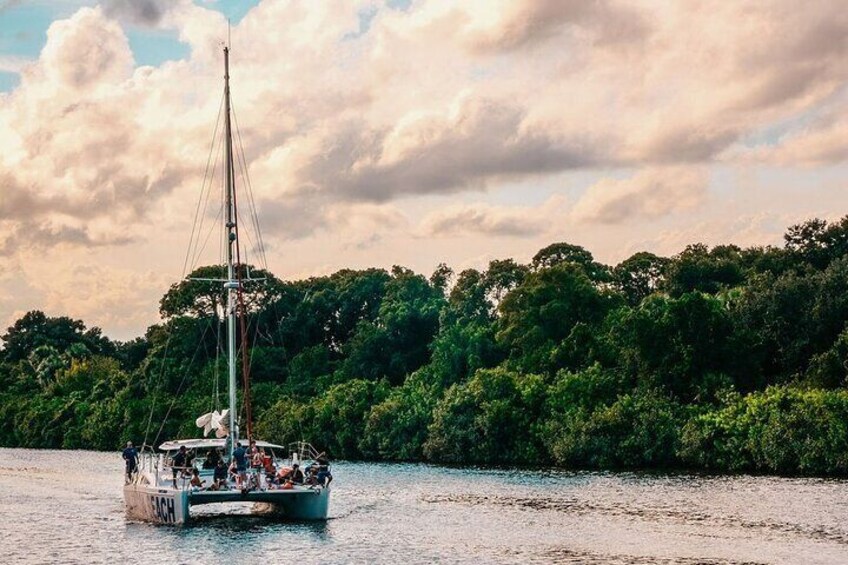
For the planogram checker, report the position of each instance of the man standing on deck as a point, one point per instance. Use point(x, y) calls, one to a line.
point(130, 456)
point(240, 456)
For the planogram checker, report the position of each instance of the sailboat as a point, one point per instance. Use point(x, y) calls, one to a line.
point(292, 481)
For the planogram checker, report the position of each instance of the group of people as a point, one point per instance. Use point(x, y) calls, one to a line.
point(263, 472)
point(265, 475)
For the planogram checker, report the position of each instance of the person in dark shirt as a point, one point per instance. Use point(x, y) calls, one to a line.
point(240, 458)
point(295, 475)
point(324, 477)
point(130, 456)
point(220, 475)
point(211, 459)
point(178, 463)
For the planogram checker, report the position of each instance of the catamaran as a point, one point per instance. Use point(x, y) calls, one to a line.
point(292, 481)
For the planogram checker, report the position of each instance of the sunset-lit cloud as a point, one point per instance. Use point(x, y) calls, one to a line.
point(376, 134)
point(490, 220)
point(647, 195)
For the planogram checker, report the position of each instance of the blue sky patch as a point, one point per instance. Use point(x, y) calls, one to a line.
point(153, 47)
point(9, 81)
point(234, 10)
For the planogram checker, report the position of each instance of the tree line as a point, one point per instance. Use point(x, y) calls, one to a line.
point(722, 359)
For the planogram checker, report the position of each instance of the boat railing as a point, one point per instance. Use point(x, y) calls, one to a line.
point(146, 463)
point(304, 450)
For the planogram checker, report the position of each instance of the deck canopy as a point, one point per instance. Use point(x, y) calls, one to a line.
point(209, 443)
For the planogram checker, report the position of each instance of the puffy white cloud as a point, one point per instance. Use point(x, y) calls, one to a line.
point(516, 25)
point(476, 142)
point(85, 51)
point(648, 194)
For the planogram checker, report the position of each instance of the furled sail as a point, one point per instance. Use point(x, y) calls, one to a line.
point(214, 421)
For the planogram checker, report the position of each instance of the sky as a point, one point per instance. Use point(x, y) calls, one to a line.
point(408, 132)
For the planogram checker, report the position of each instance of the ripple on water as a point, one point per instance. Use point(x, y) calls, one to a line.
point(657, 513)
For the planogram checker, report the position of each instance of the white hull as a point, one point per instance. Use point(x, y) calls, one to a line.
point(150, 503)
point(168, 505)
point(308, 505)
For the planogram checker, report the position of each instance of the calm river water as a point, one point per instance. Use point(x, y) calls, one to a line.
point(67, 507)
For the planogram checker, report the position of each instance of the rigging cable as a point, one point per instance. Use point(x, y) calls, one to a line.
point(203, 186)
point(250, 196)
point(259, 245)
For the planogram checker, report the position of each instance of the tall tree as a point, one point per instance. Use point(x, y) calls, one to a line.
point(640, 275)
point(697, 268)
point(568, 253)
point(539, 314)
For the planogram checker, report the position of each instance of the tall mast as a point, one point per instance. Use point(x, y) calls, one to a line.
point(232, 284)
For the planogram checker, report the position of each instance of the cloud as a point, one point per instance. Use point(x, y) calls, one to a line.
point(437, 99)
point(817, 146)
point(519, 25)
point(45, 235)
point(486, 219)
point(476, 142)
point(85, 50)
point(139, 12)
point(358, 224)
point(818, 141)
point(76, 153)
point(13, 63)
point(682, 143)
point(648, 194)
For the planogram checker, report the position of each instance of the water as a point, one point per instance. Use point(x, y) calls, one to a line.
point(67, 507)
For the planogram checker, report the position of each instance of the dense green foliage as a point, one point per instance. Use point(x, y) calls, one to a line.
point(722, 359)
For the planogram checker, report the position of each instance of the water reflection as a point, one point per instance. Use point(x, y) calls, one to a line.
point(255, 525)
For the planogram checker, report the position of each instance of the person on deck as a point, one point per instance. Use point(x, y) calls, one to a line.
point(211, 459)
point(178, 463)
point(268, 465)
point(256, 459)
point(219, 476)
point(130, 456)
point(196, 482)
point(240, 459)
point(324, 476)
point(297, 475)
point(293, 475)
